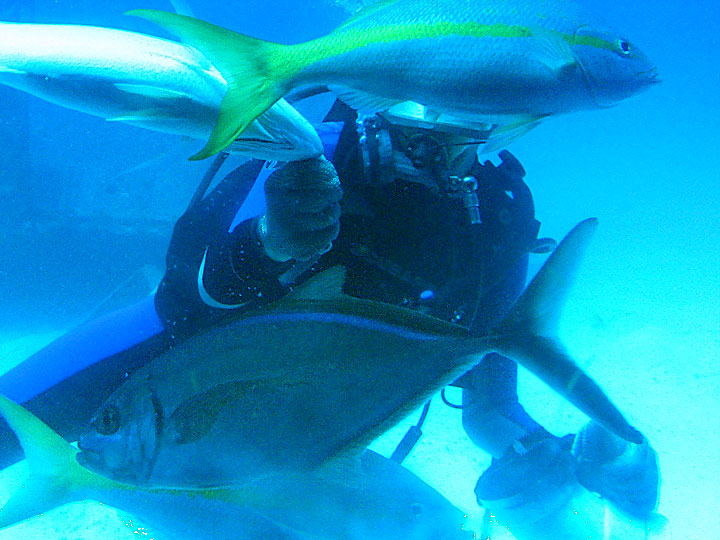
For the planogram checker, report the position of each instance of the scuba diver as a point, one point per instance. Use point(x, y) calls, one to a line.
point(403, 203)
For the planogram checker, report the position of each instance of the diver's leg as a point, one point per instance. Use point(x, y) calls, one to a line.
point(492, 416)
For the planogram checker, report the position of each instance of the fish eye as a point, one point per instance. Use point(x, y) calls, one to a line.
point(109, 421)
point(623, 46)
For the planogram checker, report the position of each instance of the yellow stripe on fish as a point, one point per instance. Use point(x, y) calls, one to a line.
point(291, 59)
point(492, 60)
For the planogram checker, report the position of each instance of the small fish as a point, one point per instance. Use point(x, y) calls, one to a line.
point(502, 62)
point(141, 80)
point(288, 387)
point(366, 497)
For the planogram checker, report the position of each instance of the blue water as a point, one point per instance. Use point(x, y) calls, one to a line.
point(77, 222)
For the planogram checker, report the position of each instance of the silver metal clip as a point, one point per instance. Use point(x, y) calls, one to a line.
point(470, 199)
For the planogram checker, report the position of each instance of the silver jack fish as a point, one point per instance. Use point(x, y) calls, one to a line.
point(490, 61)
point(141, 80)
point(357, 498)
point(288, 387)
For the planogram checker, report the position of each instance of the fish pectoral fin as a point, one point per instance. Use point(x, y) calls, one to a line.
point(503, 135)
point(12, 71)
point(363, 102)
point(553, 51)
point(282, 126)
point(152, 91)
point(143, 116)
point(194, 418)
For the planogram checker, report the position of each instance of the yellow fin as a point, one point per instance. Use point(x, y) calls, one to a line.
point(50, 458)
point(252, 88)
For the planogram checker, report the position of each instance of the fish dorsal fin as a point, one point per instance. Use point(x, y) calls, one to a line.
point(364, 13)
point(326, 285)
point(181, 7)
point(363, 102)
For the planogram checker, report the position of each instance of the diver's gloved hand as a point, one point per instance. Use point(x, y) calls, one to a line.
point(624, 473)
point(303, 210)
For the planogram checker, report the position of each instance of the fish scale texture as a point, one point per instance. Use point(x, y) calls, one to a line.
point(492, 36)
point(556, 15)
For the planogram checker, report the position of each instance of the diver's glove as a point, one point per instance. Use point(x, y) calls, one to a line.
point(624, 473)
point(303, 210)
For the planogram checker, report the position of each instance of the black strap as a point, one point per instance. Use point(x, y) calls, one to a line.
point(412, 436)
point(207, 179)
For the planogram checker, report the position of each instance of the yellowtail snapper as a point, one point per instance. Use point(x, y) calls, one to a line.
point(502, 62)
point(140, 80)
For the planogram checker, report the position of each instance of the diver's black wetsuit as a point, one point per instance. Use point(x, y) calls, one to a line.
point(402, 242)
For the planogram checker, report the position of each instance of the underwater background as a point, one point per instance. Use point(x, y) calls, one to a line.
point(87, 207)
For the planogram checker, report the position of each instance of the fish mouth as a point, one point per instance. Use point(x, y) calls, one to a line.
point(87, 458)
point(651, 76)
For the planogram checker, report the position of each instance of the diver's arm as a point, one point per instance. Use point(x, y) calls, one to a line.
point(247, 267)
point(201, 234)
point(237, 272)
point(211, 272)
point(254, 264)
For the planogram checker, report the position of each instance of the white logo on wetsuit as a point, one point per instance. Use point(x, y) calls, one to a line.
point(205, 295)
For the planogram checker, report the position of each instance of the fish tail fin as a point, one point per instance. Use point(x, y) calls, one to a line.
point(245, 63)
point(527, 334)
point(54, 472)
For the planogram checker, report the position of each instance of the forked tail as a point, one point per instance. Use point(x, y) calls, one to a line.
point(55, 475)
point(527, 335)
point(244, 62)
